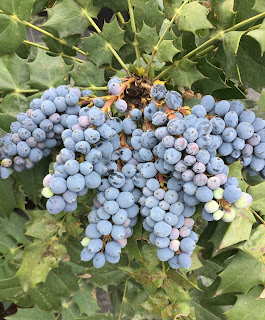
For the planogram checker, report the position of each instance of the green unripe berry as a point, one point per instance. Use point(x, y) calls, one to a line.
point(211, 206)
point(229, 215)
point(217, 215)
point(47, 193)
point(244, 201)
point(218, 193)
point(6, 163)
point(85, 241)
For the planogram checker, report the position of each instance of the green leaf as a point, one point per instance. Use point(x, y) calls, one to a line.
point(44, 298)
point(259, 35)
point(21, 9)
point(97, 51)
point(7, 198)
point(223, 11)
point(149, 255)
point(239, 229)
point(259, 6)
point(247, 306)
point(175, 292)
point(166, 51)
point(148, 14)
point(40, 5)
point(255, 246)
point(185, 73)
point(47, 71)
point(14, 226)
point(14, 103)
point(155, 303)
point(257, 193)
point(193, 17)
point(14, 73)
point(32, 314)
point(151, 281)
point(66, 18)
point(114, 5)
point(235, 170)
point(42, 226)
point(62, 281)
point(133, 249)
point(32, 183)
point(7, 243)
point(38, 258)
point(261, 103)
point(86, 300)
point(87, 74)
point(9, 26)
point(113, 34)
point(56, 46)
point(10, 289)
point(212, 80)
point(242, 273)
point(70, 311)
point(147, 38)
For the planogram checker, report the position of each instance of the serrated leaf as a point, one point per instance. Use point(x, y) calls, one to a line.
point(212, 80)
point(14, 103)
point(113, 34)
point(86, 300)
point(239, 229)
point(257, 193)
point(261, 103)
point(259, 35)
point(22, 9)
point(166, 51)
point(32, 314)
point(47, 71)
point(38, 258)
point(87, 74)
point(44, 298)
point(149, 14)
point(114, 5)
point(196, 262)
point(151, 281)
point(259, 6)
point(14, 226)
point(180, 309)
point(224, 12)
point(62, 281)
point(56, 46)
point(70, 311)
point(7, 198)
point(155, 303)
point(193, 17)
point(32, 183)
point(9, 26)
point(149, 255)
point(255, 246)
point(242, 273)
point(42, 225)
point(133, 249)
point(235, 170)
point(147, 38)
point(96, 49)
point(175, 292)
point(247, 306)
point(184, 73)
point(10, 289)
point(39, 6)
point(109, 274)
point(66, 18)
point(14, 73)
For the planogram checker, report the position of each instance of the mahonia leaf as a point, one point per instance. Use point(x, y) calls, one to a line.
point(32, 314)
point(87, 74)
point(10, 289)
point(166, 51)
point(242, 273)
point(150, 15)
point(14, 73)
point(185, 73)
point(56, 46)
point(235, 170)
point(66, 18)
point(170, 7)
point(44, 298)
point(147, 38)
point(223, 11)
point(113, 34)
point(13, 103)
point(258, 195)
point(14, 227)
point(261, 104)
point(255, 246)
point(7, 198)
point(86, 299)
point(193, 17)
point(38, 258)
point(21, 9)
point(114, 5)
point(239, 229)
point(259, 35)
point(96, 49)
point(259, 6)
point(47, 71)
point(39, 6)
point(10, 27)
point(212, 80)
point(247, 306)
point(155, 303)
point(244, 10)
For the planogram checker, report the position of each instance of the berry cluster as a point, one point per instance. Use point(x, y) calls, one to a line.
point(147, 155)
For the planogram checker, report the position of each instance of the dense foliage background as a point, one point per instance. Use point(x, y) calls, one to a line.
point(205, 47)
